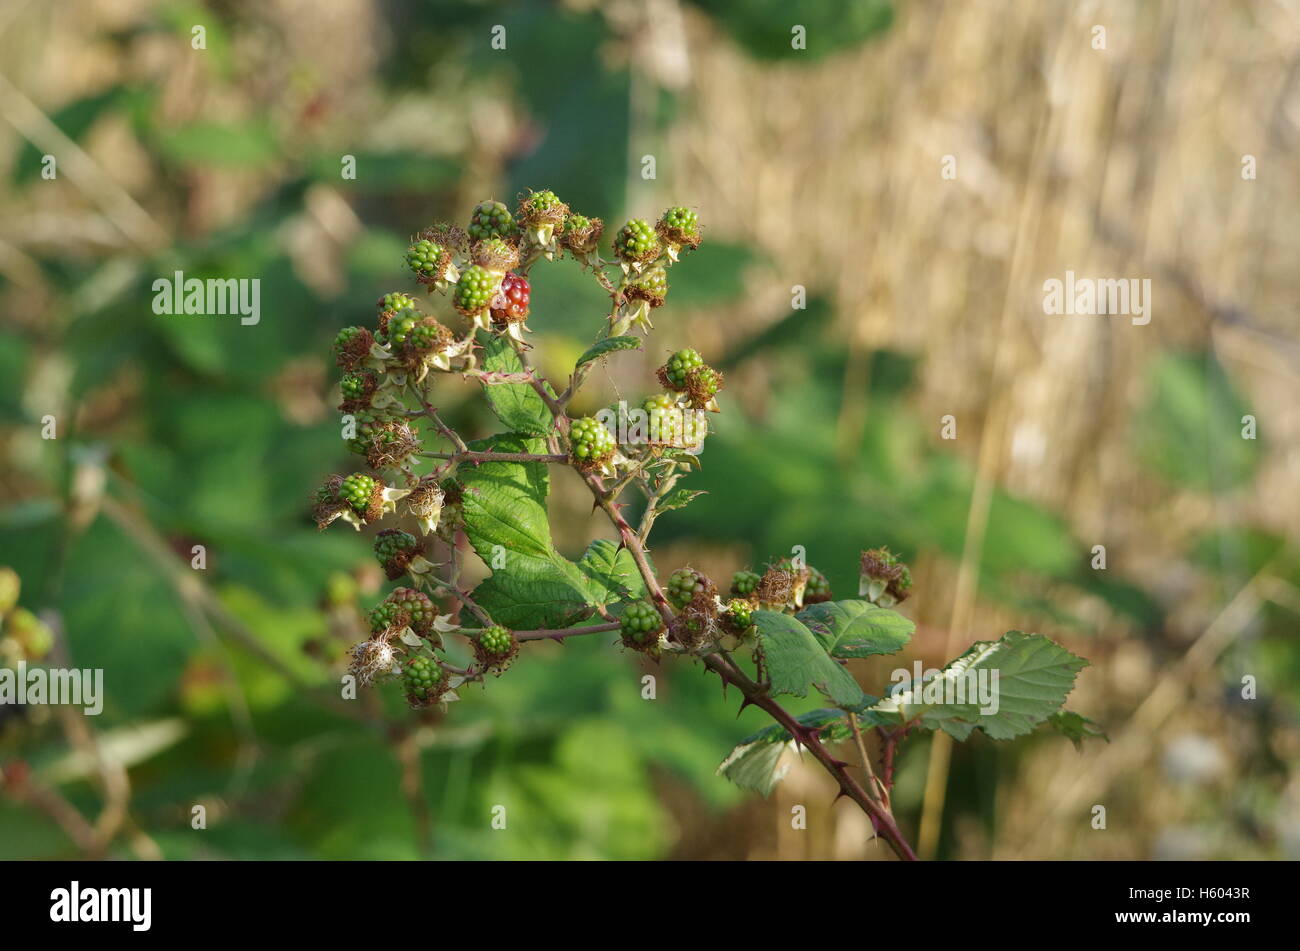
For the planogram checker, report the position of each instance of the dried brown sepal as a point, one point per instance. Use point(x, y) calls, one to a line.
point(532, 216)
point(652, 296)
point(388, 452)
point(495, 254)
point(328, 507)
point(425, 497)
point(446, 236)
point(371, 658)
point(375, 509)
point(431, 699)
point(702, 385)
point(697, 623)
point(583, 240)
point(678, 237)
point(662, 376)
point(591, 465)
point(780, 587)
point(505, 316)
point(880, 564)
point(412, 356)
point(649, 646)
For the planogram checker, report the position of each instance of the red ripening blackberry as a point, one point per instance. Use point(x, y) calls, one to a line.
point(515, 294)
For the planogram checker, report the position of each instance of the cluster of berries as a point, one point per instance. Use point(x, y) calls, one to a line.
point(483, 271)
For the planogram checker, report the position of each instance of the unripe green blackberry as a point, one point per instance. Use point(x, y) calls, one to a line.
point(817, 589)
point(418, 608)
point(429, 335)
point(542, 214)
point(744, 582)
point(401, 324)
point(384, 616)
point(679, 228)
point(425, 258)
point(491, 219)
point(652, 287)
point(423, 681)
point(345, 337)
point(357, 490)
point(738, 616)
point(680, 221)
point(359, 386)
point(590, 442)
point(394, 549)
point(396, 301)
point(475, 290)
point(542, 201)
point(665, 419)
point(494, 648)
point(675, 374)
point(683, 585)
point(496, 640)
point(352, 347)
point(640, 625)
point(636, 241)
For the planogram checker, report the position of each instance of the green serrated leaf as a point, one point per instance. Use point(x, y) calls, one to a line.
point(755, 766)
point(535, 592)
point(532, 585)
point(515, 404)
point(850, 629)
point(505, 502)
point(611, 573)
point(1076, 727)
point(1034, 675)
point(679, 499)
point(795, 661)
point(603, 348)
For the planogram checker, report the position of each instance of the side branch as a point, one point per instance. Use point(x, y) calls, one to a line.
point(808, 738)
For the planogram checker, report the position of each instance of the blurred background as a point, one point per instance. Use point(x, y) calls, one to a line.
point(822, 168)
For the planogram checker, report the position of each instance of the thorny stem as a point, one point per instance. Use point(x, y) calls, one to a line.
point(890, 740)
point(754, 694)
point(564, 633)
point(477, 457)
